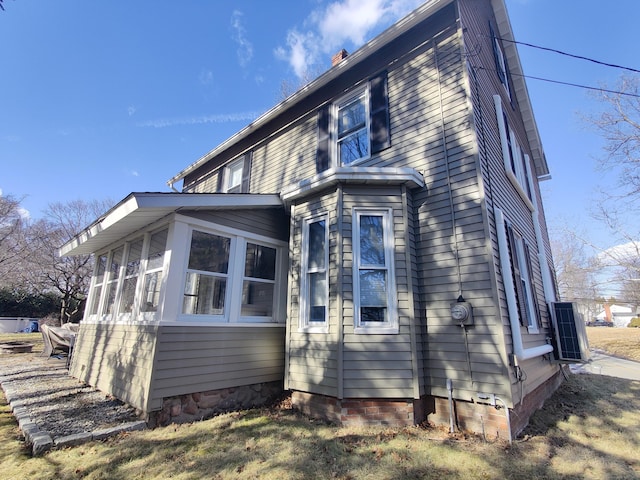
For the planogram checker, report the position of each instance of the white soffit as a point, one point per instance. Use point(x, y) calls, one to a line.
point(139, 210)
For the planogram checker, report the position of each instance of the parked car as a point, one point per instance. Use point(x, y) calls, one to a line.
point(599, 323)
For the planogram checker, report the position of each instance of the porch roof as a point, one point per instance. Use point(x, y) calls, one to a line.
point(138, 210)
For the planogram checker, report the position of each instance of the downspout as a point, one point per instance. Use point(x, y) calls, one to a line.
point(516, 335)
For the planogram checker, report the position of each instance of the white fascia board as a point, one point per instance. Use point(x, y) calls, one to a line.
point(353, 175)
point(139, 210)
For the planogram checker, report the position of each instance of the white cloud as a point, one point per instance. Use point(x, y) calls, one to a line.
point(203, 119)
point(341, 24)
point(245, 47)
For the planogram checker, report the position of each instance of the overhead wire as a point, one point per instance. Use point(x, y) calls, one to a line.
point(580, 57)
point(570, 84)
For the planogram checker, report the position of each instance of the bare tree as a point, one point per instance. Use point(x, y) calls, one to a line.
point(576, 273)
point(619, 125)
point(67, 276)
point(13, 242)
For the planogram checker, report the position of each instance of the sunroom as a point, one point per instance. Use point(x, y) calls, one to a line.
point(188, 296)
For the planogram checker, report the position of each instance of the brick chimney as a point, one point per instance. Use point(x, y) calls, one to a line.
point(338, 57)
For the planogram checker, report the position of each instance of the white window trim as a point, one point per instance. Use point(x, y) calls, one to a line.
point(525, 276)
point(391, 325)
point(509, 288)
point(228, 170)
point(335, 154)
point(519, 177)
point(305, 324)
point(117, 316)
point(503, 67)
point(235, 273)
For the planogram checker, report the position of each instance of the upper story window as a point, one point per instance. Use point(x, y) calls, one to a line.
point(234, 177)
point(352, 128)
point(355, 126)
point(314, 298)
point(516, 162)
point(522, 273)
point(373, 272)
point(501, 62)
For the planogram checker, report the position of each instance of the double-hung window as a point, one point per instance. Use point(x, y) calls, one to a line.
point(153, 271)
point(501, 62)
point(207, 272)
point(373, 272)
point(355, 126)
point(517, 256)
point(234, 177)
point(516, 162)
point(258, 285)
point(232, 278)
point(315, 259)
point(98, 283)
point(352, 128)
point(113, 275)
point(130, 280)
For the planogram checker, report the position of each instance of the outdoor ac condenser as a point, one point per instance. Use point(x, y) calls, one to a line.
point(569, 334)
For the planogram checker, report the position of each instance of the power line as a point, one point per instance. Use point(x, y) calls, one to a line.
point(580, 57)
point(569, 84)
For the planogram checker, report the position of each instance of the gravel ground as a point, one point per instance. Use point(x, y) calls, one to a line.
point(57, 403)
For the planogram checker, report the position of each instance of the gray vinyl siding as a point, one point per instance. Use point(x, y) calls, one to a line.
point(386, 370)
point(117, 359)
point(500, 192)
point(198, 359)
point(270, 223)
point(313, 358)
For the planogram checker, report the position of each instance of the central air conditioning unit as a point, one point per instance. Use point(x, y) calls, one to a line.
point(570, 344)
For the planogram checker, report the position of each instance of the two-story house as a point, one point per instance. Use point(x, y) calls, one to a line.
point(375, 244)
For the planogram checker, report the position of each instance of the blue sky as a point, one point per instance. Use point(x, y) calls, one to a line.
point(100, 99)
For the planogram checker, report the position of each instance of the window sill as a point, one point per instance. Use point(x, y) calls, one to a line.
point(314, 329)
point(514, 181)
point(377, 330)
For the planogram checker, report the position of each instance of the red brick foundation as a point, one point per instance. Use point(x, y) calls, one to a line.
point(468, 416)
point(487, 419)
point(350, 412)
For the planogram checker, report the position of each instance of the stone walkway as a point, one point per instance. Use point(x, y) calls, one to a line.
point(55, 410)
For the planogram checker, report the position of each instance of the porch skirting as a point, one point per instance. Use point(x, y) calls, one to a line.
point(202, 405)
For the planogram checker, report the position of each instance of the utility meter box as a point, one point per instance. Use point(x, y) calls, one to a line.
point(462, 313)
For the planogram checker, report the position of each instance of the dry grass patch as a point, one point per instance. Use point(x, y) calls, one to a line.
point(589, 429)
point(621, 342)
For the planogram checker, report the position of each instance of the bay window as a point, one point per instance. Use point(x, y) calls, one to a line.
point(373, 272)
point(314, 288)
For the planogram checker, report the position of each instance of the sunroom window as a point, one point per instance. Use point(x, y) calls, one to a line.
point(132, 269)
point(153, 272)
point(259, 281)
point(112, 280)
point(206, 283)
point(98, 283)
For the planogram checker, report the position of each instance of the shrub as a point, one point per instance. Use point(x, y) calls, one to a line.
point(634, 323)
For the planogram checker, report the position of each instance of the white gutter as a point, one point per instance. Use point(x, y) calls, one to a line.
point(507, 279)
